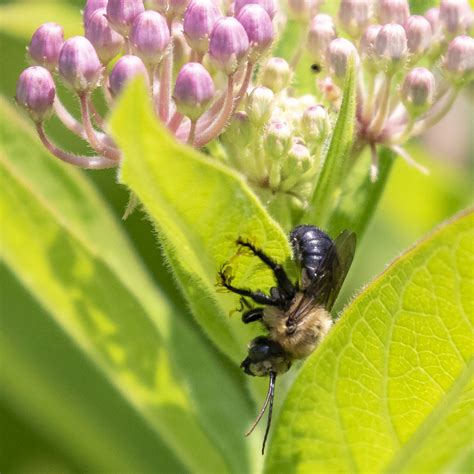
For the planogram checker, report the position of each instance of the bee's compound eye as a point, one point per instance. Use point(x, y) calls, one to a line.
point(259, 351)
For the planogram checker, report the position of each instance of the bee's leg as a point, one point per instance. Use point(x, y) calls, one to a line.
point(252, 315)
point(257, 296)
point(284, 283)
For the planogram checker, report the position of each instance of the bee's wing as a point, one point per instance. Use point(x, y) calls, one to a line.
point(332, 271)
point(328, 278)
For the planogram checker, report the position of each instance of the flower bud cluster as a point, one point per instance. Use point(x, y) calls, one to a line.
point(208, 68)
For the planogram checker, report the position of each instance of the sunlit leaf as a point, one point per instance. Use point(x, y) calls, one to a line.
point(328, 188)
point(391, 389)
point(84, 284)
point(200, 208)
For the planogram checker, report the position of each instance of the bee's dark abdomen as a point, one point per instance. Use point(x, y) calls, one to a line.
point(310, 245)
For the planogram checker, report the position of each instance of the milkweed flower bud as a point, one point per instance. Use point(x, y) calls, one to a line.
point(453, 16)
point(418, 91)
point(267, 5)
point(125, 69)
point(199, 20)
point(459, 60)
point(228, 45)
point(302, 10)
point(259, 106)
point(315, 124)
point(259, 28)
point(322, 31)
point(278, 138)
point(432, 15)
point(240, 131)
point(79, 65)
point(46, 44)
point(298, 160)
point(106, 41)
point(393, 11)
point(418, 31)
point(160, 6)
point(338, 54)
point(149, 37)
point(390, 47)
point(276, 74)
point(367, 41)
point(90, 8)
point(35, 92)
point(122, 13)
point(355, 15)
point(193, 91)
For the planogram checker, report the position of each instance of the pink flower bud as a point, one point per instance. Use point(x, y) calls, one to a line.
point(390, 47)
point(199, 20)
point(267, 5)
point(393, 11)
point(418, 31)
point(459, 60)
point(46, 45)
point(418, 91)
point(228, 44)
point(454, 16)
point(125, 69)
point(355, 15)
point(194, 90)
point(315, 123)
point(150, 36)
point(432, 15)
point(368, 40)
point(90, 8)
point(35, 92)
point(338, 54)
point(259, 28)
point(322, 31)
point(276, 74)
point(106, 41)
point(302, 10)
point(122, 13)
point(79, 65)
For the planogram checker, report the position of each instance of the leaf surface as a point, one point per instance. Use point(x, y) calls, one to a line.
point(391, 389)
point(200, 208)
point(84, 284)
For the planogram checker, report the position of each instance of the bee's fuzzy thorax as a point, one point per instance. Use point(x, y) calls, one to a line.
point(298, 342)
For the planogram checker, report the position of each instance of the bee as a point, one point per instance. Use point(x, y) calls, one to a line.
point(295, 315)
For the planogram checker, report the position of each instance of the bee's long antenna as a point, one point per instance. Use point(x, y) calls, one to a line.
point(268, 399)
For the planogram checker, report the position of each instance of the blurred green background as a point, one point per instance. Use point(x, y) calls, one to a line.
point(412, 205)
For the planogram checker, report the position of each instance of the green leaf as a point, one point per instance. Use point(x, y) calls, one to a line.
point(199, 208)
point(391, 389)
point(21, 19)
point(328, 188)
point(83, 309)
point(360, 196)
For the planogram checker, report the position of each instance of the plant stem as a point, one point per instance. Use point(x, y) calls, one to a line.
point(244, 86)
point(379, 120)
point(93, 139)
point(95, 114)
point(220, 122)
point(86, 162)
point(165, 86)
point(192, 133)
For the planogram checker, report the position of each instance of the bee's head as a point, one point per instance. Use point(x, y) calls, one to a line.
point(265, 356)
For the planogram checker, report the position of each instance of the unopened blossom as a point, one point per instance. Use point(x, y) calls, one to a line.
point(418, 32)
point(79, 65)
point(267, 5)
point(46, 45)
point(199, 20)
point(276, 74)
point(321, 32)
point(393, 11)
point(106, 41)
point(259, 28)
point(122, 13)
point(355, 15)
point(125, 69)
point(35, 92)
point(418, 90)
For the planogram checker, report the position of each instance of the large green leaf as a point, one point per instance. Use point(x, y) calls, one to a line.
point(75, 282)
point(199, 208)
point(391, 389)
point(336, 162)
